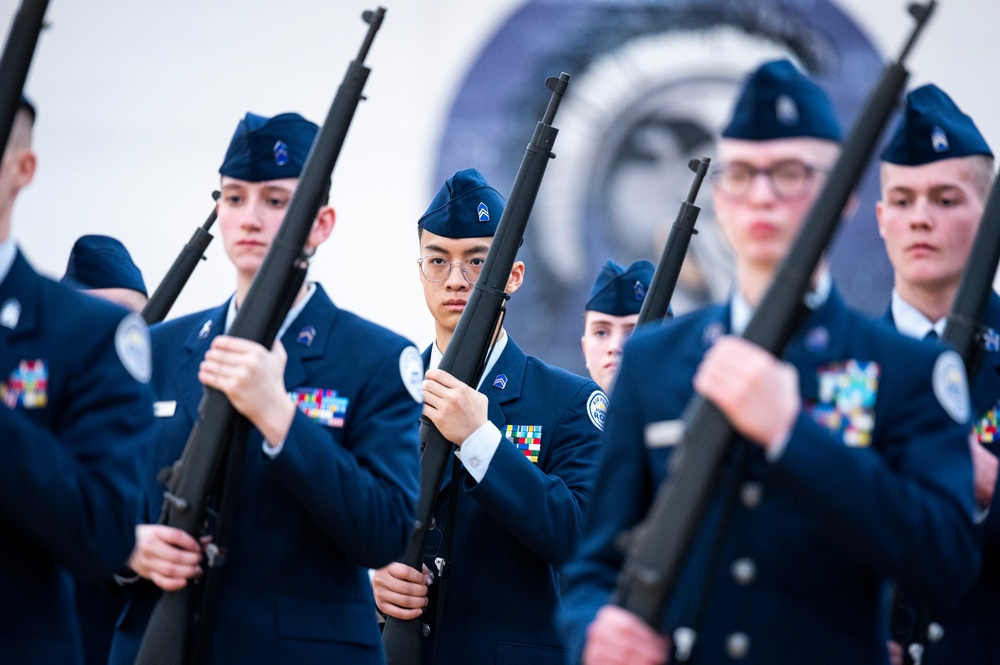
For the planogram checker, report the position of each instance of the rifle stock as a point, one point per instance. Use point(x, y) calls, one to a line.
point(16, 61)
point(661, 290)
point(659, 545)
point(467, 352)
point(173, 282)
point(167, 638)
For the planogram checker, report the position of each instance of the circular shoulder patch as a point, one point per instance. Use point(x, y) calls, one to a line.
point(597, 408)
point(411, 370)
point(951, 387)
point(132, 345)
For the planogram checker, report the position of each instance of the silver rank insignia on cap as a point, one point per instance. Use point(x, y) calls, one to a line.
point(280, 153)
point(939, 140)
point(10, 313)
point(639, 290)
point(597, 408)
point(483, 212)
point(206, 328)
point(786, 110)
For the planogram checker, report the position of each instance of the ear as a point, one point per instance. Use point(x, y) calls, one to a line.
point(26, 163)
point(878, 217)
point(516, 277)
point(322, 227)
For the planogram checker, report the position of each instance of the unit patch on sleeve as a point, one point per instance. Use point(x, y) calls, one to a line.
point(846, 401)
point(323, 406)
point(951, 387)
point(132, 345)
point(527, 438)
point(597, 408)
point(411, 369)
point(27, 386)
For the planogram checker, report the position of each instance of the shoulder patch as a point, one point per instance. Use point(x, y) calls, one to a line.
point(597, 408)
point(132, 345)
point(951, 387)
point(411, 370)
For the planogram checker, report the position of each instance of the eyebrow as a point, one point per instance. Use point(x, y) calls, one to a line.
point(478, 249)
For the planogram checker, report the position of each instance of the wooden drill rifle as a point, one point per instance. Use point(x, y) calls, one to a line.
point(659, 545)
point(167, 639)
point(173, 282)
point(657, 302)
point(466, 355)
point(16, 60)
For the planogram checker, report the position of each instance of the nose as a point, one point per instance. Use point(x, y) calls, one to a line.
point(616, 343)
point(456, 280)
point(250, 216)
point(920, 217)
point(761, 189)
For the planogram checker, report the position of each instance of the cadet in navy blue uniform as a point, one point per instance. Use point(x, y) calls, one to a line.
point(74, 421)
point(610, 316)
point(936, 176)
point(101, 266)
point(510, 507)
point(851, 465)
point(330, 478)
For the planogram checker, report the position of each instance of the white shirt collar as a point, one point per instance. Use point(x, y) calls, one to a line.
point(292, 313)
point(740, 310)
point(910, 321)
point(8, 250)
point(498, 348)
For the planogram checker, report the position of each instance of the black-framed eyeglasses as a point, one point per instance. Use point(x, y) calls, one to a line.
point(789, 179)
point(436, 268)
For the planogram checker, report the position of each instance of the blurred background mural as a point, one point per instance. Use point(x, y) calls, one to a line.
point(137, 102)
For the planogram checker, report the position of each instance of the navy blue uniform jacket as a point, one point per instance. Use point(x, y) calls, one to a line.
point(69, 481)
point(512, 529)
point(972, 624)
point(338, 499)
point(875, 482)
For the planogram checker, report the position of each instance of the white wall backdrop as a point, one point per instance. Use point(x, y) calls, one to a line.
point(137, 101)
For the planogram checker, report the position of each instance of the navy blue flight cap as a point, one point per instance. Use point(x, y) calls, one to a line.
point(269, 148)
point(619, 291)
point(780, 102)
point(933, 128)
point(102, 262)
point(465, 207)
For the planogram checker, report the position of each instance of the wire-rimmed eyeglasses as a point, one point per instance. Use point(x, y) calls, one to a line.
point(789, 179)
point(437, 268)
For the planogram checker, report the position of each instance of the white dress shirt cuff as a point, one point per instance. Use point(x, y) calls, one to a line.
point(273, 452)
point(477, 451)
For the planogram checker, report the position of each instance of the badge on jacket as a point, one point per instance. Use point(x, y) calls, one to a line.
point(845, 404)
point(27, 386)
point(323, 406)
point(527, 439)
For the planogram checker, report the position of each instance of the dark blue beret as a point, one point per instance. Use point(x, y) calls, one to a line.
point(619, 291)
point(269, 148)
point(101, 262)
point(933, 128)
point(779, 102)
point(465, 207)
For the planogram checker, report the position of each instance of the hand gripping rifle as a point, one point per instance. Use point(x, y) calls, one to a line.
point(659, 545)
point(194, 475)
point(173, 282)
point(466, 354)
point(16, 60)
point(657, 302)
point(964, 332)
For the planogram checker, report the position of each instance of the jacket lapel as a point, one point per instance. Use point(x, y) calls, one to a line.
point(20, 294)
point(184, 382)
